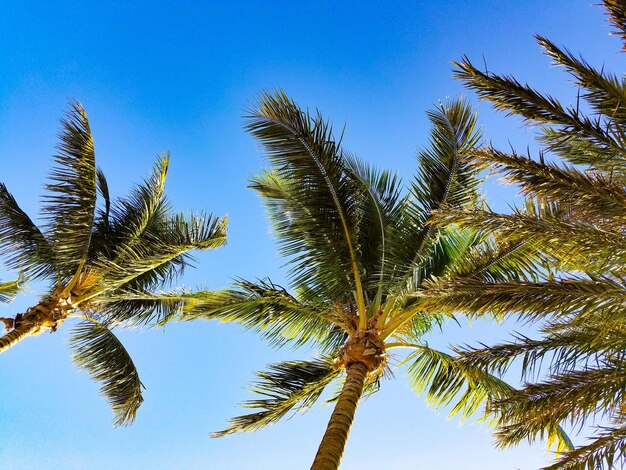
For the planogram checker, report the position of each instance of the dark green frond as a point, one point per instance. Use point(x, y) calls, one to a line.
point(509, 95)
point(138, 308)
point(270, 310)
point(22, 245)
point(99, 352)
point(445, 177)
point(287, 386)
point(166, 242)
point(381, 210)
point(314, 214)
point(71, 202)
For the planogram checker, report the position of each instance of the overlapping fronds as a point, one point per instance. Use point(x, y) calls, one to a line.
point(106, 261)
point(99, 352)
point(271, 311)
point(71, 202)
point(312, 199)
point(286, 387)
point(575, 217)
point(137, 307)
point(607, 450)
point(167, 242)
point(445, 177)
point(447, 380)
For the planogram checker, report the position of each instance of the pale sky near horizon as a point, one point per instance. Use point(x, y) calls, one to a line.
point(158, 76)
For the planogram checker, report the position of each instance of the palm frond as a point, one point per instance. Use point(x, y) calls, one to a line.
point(22, 245)
point(317, 198)
point(381, 209)
point(445, 177)
point(617, 16)
point(269, 310)
point(165, 243)
point(287, 386)
point(70, 205)
point(508, 95)
point(99, 352)
point(447, 380)
point(590, 192)
point(607, 450)
point(138, 308)
point(571, 396)
point(581, 297)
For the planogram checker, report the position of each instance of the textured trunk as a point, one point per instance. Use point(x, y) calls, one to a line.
point(15, 336)
point(334, 440)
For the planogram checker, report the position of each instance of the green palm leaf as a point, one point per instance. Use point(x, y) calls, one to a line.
point(99, 352)
point(22, 245)
point(271, 311)
point(322, 197)
point(287, 386)
point(71, 202)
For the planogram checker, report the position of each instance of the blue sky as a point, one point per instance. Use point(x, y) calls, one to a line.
point(178, 76)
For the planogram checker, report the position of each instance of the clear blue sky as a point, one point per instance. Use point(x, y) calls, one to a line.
point(157, 76)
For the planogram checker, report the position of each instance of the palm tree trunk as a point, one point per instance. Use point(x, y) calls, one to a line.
point(334, 440)
point(15, 336)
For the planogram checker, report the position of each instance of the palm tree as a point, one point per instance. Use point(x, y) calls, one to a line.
point(359, 247)
point(105, 264)
point(575, 214)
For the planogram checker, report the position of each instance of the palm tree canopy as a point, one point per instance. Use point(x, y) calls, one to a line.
point(575, 215)
point(361, 248)
point(106, 260)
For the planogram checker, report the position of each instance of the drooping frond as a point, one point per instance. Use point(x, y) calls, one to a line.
point(314, 213)
point(272, 312)
point(568, 396)
point(447, 380)
point(22, 245)
point(71, 202)
point(286, 387)
point(99, 352)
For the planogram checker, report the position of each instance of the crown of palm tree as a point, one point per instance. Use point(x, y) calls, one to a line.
point(105, 263)
point(360, 248)
point(575, 214)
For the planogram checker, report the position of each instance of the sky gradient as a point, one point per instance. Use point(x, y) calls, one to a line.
point(178, 76)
